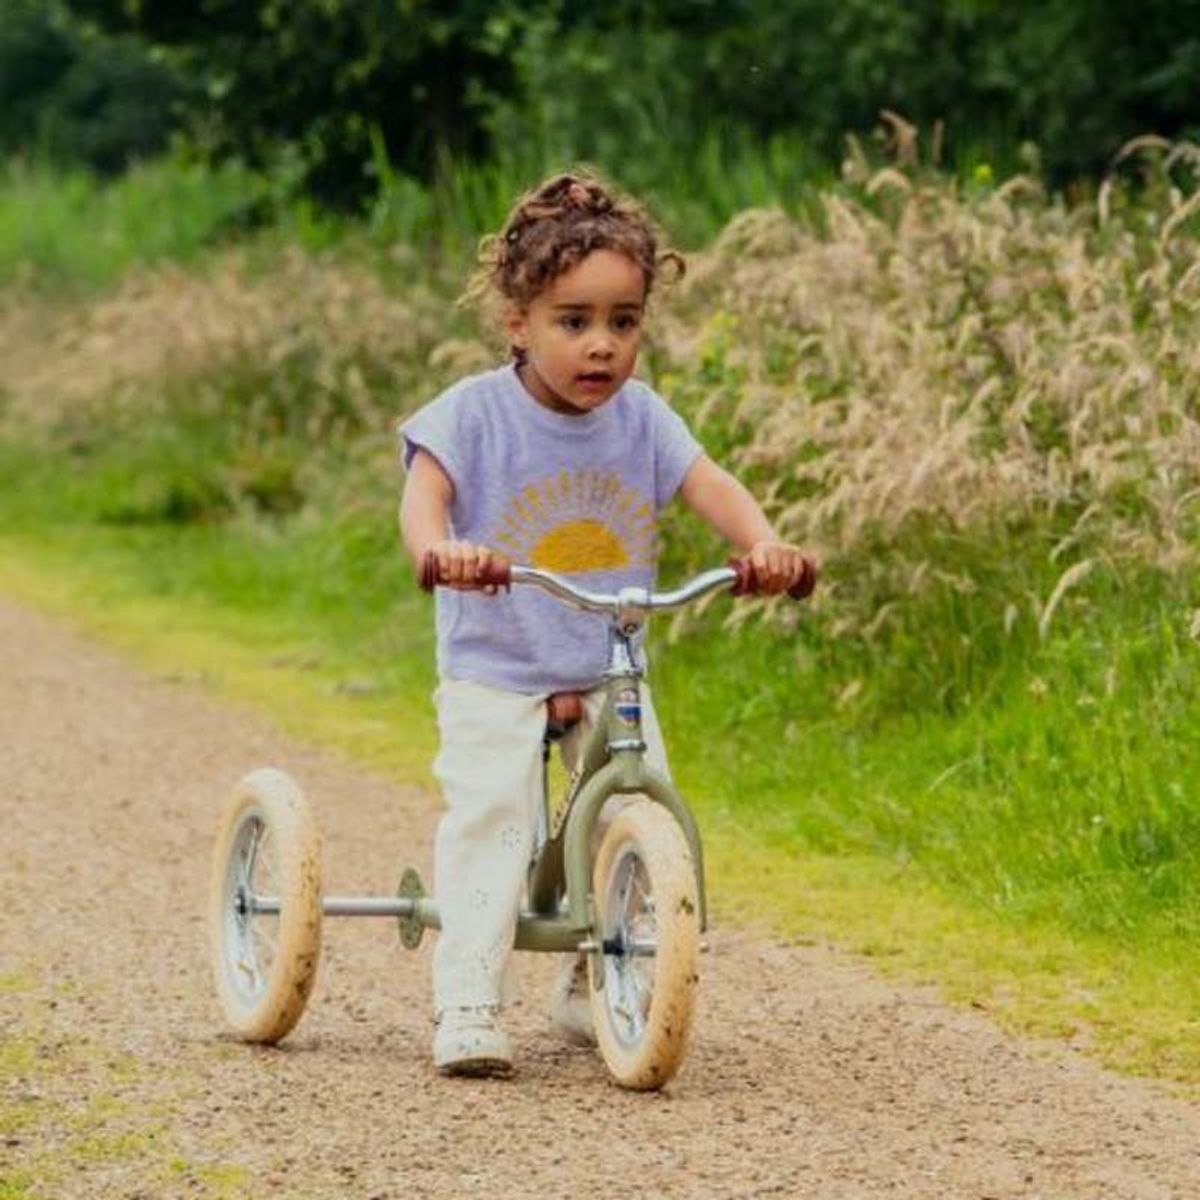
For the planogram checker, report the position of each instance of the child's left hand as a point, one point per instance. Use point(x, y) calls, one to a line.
point(779, 566)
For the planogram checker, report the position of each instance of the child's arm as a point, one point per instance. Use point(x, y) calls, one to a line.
point(425, 523)
point(721, 501)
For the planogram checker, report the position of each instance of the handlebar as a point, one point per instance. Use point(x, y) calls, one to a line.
point(739, 575)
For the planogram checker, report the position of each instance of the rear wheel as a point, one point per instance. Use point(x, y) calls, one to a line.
point(265, 909)
point(647, 908)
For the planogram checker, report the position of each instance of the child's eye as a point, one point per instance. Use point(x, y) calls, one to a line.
point(572, 322)
point(625, 322)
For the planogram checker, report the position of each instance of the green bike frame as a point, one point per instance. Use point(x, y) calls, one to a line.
point(612, 762)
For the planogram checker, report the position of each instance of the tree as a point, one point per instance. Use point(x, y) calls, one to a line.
point(322, 76)
point(71, 95)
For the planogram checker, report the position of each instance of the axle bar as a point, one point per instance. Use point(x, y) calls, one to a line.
point(534, 932)
point(359, 906)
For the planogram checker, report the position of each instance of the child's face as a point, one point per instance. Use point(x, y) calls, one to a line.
point(581, 335)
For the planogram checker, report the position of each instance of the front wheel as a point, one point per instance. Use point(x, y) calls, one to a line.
point(265, 908)
point(647, 911)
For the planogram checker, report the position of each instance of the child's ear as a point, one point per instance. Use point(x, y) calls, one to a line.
point(516, 326)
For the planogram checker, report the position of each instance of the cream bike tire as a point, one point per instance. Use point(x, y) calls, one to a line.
point(648, 917)
point(265, 959)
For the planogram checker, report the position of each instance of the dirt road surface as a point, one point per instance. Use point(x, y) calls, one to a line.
point(808, 1076)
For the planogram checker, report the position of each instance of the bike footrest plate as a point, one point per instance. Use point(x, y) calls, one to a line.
point(412, 928)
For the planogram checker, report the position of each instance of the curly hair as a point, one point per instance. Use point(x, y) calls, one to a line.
point(553, 228)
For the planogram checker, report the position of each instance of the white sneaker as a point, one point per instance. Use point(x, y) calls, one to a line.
point(470, 1041)
point(570, 1005)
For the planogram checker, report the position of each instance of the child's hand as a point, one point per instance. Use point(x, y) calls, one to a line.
point(780, 566)
point(460, 565)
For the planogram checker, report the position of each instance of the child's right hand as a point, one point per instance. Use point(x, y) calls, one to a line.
point(461, 564)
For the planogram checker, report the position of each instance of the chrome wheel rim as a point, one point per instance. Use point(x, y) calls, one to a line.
point(629, 921)
point(251, 937)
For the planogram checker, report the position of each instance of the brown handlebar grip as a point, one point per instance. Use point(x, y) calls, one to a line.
point(428, 577)
point(803, 587)
point(495, 574)
point(744, 584)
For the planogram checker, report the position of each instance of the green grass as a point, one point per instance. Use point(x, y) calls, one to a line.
point(692, 189)
point(17, 1185)
point(68, 230)
point(1028, 843)
point(1065, 794)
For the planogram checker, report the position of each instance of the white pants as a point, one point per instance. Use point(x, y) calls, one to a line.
point(489, 767)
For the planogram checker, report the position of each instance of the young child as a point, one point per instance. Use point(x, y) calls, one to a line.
point(558, 459)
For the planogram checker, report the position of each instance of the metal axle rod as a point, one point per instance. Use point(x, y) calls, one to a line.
point(534, 932)
point(359, 906)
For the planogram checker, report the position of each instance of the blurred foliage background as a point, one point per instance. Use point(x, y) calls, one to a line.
point(325, 88)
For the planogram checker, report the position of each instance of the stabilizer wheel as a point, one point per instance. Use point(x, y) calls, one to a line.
point(265, 961)
point(647, 910)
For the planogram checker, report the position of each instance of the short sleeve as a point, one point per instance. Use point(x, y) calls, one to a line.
point(675, 449)
point(436, 429)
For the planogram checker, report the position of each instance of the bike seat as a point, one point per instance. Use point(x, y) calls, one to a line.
point(564, 710)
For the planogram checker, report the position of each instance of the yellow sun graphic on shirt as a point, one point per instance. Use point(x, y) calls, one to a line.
point(584, 520)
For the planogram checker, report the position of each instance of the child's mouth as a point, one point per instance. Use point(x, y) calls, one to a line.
point(595, 379)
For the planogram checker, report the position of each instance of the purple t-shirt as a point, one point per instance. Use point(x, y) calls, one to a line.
point(576, 494)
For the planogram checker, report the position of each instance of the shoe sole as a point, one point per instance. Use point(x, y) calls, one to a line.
point(477, 1068)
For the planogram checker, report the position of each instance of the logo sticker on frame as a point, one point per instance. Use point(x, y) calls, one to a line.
point(628, 706)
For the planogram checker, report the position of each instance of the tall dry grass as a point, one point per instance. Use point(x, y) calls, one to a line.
point(166, 330)
point(245, 383)
point(978, 361)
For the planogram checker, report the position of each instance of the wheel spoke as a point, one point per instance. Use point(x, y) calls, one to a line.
point(636, 1005)
point(628, 869)
point(250, 852)
point(265, 939)
point(647, 901)
point(266, 873)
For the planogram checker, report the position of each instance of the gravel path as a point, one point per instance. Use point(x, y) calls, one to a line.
point(808, 1076)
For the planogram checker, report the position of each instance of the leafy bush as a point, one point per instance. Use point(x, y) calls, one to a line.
point(77, 98)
